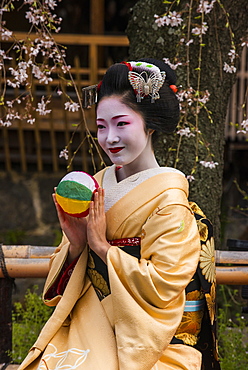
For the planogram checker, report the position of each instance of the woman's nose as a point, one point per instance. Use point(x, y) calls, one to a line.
point(112, 137)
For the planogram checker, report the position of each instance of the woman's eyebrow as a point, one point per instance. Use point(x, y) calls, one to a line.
point(115, 117)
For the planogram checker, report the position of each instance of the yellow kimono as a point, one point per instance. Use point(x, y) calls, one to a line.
point(132, 327)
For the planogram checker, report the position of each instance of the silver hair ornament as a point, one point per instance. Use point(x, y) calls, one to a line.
point(144, 84)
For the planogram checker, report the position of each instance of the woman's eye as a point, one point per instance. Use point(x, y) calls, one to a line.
point(99, 127)
point(122, 124)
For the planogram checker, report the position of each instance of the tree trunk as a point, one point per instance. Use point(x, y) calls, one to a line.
point(145, 41)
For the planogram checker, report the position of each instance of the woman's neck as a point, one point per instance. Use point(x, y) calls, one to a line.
point(132, 168)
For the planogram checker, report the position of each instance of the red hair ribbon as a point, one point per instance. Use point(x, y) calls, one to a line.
point(173, 88)
point(99, 86)
point(128, 65)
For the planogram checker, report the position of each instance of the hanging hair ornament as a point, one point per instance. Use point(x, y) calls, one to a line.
point(89, 95)
point(147, 82)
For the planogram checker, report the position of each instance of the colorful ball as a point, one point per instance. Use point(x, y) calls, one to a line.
point(74, 193)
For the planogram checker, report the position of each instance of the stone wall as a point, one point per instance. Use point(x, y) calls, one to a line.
point(28, 216)
point(27, 211)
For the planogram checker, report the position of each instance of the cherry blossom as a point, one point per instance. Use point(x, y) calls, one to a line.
point(190, 178)
point(205, 98)
point(40, 75)
point(229, 69)
point(64, 154)
point(232, 54)
point(173, 66)
point(172, 19)
point(160, 21)
point(72, 107)
point(51, 3)
point(185, 132)
point(42, 107)
point(201, 30)
point(244, 125)
point(31, 121)
point(205, 6)
point(189, 42)
point(6, 123)
point(6, 34)
point(209, 164)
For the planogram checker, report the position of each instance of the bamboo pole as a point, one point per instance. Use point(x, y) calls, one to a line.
point(233, 257)
point(26, 268)
point(27, 251)
point(234, 275)
point(33, 261)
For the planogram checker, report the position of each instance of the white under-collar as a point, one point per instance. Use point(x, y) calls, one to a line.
point(114, 190)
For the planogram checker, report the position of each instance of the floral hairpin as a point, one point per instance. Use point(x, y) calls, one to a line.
point(147, 82)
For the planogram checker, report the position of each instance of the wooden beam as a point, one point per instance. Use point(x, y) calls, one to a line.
point(67, 39)
point(97, 12)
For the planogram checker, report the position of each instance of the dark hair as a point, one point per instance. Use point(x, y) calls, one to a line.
point(163, 114)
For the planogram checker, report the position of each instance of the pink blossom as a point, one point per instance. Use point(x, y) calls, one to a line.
point(6, 123)
point(190, 178)
point(3, 10)
point(6, 34)
point(65, 69)
point(244, 43)
point(205, 6)
point(244, 125)
point(205, 97)
point(72, 107)
point(173, 66)
point(185, 132)
point(173, 19)
point(189, 42)
point(209, 164)
point(229, 69)
point(32, 18)
point(232, 54)
point(201, 30)
point(42, 107)
point(40, 75)
point(160, 21)
point(51, 3)
point(31, 121)
point(64, 153)
point(4, 56)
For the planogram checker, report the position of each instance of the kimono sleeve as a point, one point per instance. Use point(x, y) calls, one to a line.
point(170, 249)
point(148, 294)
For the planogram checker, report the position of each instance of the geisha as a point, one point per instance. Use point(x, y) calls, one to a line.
point(125, 280)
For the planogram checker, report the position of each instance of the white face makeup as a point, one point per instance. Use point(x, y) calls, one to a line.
point(121, 134)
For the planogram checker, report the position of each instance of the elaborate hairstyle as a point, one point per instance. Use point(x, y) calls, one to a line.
point(162, 115)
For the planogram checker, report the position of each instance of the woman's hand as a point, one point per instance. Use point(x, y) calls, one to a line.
point(96, 228)
point(75, 229)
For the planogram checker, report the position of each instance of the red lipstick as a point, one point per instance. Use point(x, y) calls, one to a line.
point(115, 150)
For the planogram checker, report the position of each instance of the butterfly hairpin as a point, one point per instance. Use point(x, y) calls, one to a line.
point(144, 84)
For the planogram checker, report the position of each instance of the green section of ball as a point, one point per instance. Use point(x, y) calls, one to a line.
point(73, 190)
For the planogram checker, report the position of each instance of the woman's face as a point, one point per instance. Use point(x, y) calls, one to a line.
point(121, 133)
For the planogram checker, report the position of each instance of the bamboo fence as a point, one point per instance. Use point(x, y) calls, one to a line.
point(27, 261)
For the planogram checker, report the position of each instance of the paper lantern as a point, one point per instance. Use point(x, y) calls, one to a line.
point(74, 193)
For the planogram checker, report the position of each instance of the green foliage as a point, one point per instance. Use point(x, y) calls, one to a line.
point(10, 237)
point(232, 328)
point(27, 321)
point(57, 237)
